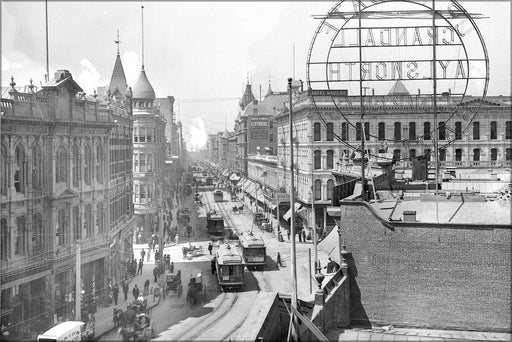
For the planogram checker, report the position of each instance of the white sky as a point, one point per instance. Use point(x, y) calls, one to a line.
point(193, 50)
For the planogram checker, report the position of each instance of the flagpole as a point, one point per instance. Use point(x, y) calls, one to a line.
point(292, 221)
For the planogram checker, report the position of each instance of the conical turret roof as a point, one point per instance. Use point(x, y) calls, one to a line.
point(143, 89)
point(247, 97)
point(118, 80)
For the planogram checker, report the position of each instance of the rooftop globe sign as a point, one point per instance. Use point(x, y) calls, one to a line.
point(400, 53)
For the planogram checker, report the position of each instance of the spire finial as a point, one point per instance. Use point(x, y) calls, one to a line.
point(142, 15)
point(12, 84)
point(31, 86)
point(117, 41)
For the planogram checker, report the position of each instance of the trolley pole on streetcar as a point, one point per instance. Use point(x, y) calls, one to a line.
point(292, 221)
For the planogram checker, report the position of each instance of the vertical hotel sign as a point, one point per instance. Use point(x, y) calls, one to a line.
point(362, 45)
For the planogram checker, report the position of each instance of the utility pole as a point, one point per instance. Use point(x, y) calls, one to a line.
point(292, 221)
point(78, 283)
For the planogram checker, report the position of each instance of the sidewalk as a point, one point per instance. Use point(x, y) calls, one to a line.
point(104, 314)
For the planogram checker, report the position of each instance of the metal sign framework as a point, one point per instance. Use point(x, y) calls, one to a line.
point(331, 69)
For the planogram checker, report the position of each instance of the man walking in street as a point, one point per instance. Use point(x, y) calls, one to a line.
point(125, 290)
point(135, 292)
point(279, 263)
point(142, 253)
point(210, 247)
point(139, 270)
point(115, 293)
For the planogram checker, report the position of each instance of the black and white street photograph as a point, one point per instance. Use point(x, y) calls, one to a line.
point(335, 170)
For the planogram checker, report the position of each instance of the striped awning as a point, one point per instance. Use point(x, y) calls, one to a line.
point(288, 214)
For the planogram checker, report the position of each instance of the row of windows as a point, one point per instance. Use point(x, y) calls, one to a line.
point(477, 155)
point(143, 193)
point(146, 135)
point(318, 189)
point(36, 240)
point(442, 130)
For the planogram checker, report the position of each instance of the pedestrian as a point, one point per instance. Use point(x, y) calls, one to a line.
point(279, 259)
point(139, 270)
point(142, 253)
point(172, 267)
point(146, 284)
point(155, 273)
point(210, 247)
point(135, 292)
point(300, 236)
point(303, 235)
point(115, 293)
point(149, 254)
point(125, 290)
point(213, 265)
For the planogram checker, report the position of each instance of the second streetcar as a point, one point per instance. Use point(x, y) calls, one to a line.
point(230, 266)
point(254, 250)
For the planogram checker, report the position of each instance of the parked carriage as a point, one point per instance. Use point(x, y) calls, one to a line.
point(253, 250)
point(230, 266)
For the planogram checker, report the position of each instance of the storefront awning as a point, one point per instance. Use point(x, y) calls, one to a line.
point(288, 214)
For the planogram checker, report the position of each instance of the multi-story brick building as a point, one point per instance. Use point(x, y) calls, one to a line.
point(322, 140)
point(55, 190)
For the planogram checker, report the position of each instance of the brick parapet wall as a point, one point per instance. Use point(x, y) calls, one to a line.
point(427, 275)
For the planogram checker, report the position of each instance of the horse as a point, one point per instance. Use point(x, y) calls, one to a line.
point(127, 334)
point(127, 317)
point(192, 294)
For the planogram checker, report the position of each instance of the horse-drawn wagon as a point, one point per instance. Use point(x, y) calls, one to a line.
point(135, 322)
point(173, 283)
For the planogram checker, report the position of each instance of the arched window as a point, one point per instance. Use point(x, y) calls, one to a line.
point(494, 130)
point(412, 153)
point(494, 154)
point(330, 186)
point(426, 153)
point(61, 171)
point(442, 131)
point(412, 130)
point(316, 132)
point(20, 169)
point(458, 154)
point(317, 160)
point(318, 189)
point(426, 131)
point(5, 233)
point(442, 154)
point(344, 131)
point(358, 131)
point(396, 155)
point(87, 165)
point(508, 154)
point(508, 130)
point(37, 168)
point(38, 233)
point(21, 236)
point(476, 130)
point(88, 220)
point(458, 130)
point(4, 176)
point(367, 131)
point(99, 164)
point(476, 154)
point(75, 165)
point(330, 131)
point(397, 134)
point(330, 159)
point(381, 134)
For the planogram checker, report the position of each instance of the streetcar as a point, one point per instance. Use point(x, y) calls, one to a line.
point(218, 196)
point(230, 266)
point(215, 225)
point(253, 250)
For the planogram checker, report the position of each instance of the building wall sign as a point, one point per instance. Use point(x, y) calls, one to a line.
point(399, 53)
